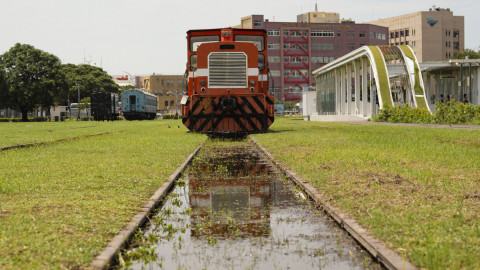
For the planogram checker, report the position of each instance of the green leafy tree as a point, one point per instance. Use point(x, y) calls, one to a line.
point(127, 87)
point(3, 90)
point(468, 53)
point(90, 78)
point(30, 78)
point(83, 105)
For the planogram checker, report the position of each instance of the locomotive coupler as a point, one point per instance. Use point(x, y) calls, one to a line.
point(228, 104)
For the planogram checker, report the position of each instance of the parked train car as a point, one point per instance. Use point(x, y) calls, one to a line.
point(227, 82)
point(104, 106)
point(138, 105)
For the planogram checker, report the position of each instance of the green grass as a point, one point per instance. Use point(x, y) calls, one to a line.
point(60, 204)
point(415, 188)
point(44, 132)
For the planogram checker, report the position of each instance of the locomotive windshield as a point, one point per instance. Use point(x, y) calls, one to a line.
point(257, 40)
point(199, 40)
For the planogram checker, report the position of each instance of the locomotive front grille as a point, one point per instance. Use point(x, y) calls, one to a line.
point(227, 70)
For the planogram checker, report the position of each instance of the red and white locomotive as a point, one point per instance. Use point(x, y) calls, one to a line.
point(227, 82)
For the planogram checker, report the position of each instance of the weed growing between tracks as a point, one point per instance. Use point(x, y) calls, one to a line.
point(61, 204)
point(416, 188)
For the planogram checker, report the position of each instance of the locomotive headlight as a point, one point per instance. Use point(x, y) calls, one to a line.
point(252, 82)
point(252, 89)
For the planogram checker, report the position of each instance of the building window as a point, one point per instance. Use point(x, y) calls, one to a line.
point(351, 34)
point(273, 32)
point(396, 34)
point(295, 73)
point(392, 34)
point(321, 33)
point(275, 73)
point(456, 34)
point(295, 59)
point(295, 46)
point(407, 33)
point(381, 36)
point(257, 23)
point(294, 33)
point(274, 59)
point(456, 45)
point(351, 47)
point(171, 103)
point(322, 46)
point(166, 103)
point(361, 34)
point(322, 59)
point(402, 34)
point(372, 34)
point(339, 33)
point(273, 46)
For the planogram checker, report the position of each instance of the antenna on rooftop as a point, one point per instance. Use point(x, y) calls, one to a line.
point(316, 8)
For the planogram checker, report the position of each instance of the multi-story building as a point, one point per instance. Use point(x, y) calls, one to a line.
point(319, 17)
point(295, 49)
point(434, 35)
point(168, 89)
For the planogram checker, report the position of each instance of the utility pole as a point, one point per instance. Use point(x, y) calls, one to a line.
point(78, 105)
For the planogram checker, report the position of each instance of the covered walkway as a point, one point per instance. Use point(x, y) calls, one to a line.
point(362, 82)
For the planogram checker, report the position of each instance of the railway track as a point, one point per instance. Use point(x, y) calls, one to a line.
point(200, 191)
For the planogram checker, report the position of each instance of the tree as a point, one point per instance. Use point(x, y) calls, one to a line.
point(3, 90)
point(90, 78)
point(127, 87)
point(468, 53)
point(30, 78)
point(83, 105)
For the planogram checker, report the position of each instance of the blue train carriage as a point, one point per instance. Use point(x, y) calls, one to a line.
point(138, 105)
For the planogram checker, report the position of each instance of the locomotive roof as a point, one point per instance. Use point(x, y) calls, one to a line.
point(219, 29)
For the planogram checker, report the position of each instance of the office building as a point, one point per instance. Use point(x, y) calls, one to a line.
point(434, 35)
point(295, 49)
point(167, 88)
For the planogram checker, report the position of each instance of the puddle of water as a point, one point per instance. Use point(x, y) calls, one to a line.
point(233, 210)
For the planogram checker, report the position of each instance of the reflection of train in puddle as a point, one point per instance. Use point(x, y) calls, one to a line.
point(230, 197)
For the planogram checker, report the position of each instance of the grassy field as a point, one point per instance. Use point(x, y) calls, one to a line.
point(416, 188)
point(44, 132)
point(61, 203)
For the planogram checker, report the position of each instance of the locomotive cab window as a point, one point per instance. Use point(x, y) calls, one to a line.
point(196, 41)
point(257, 40)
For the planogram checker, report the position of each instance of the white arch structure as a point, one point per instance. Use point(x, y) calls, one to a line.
point(343, 84)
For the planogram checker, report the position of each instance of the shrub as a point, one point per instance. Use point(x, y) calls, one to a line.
point(171, 116)
point(446, 113)
point(403, 114)
point(456, 113)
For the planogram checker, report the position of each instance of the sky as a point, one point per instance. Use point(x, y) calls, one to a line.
point(149, 36)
